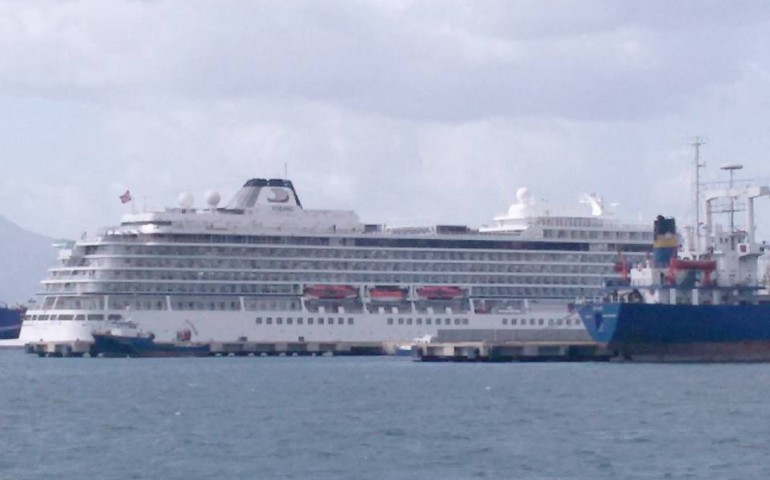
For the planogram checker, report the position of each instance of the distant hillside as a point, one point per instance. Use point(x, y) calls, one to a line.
point(24, 260)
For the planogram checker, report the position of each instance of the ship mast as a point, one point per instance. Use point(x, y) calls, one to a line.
point(697, 144)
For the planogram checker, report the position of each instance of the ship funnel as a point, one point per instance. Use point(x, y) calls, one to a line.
point(665, 243)
point(261, 191)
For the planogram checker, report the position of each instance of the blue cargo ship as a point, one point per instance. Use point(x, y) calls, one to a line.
point(680, 333)
point(700, 302)
point(10, 321)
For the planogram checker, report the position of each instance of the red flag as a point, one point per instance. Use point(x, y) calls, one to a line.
point(126, 197)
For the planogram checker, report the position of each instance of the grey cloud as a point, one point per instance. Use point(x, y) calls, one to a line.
point(400, 110)
point(465, 61)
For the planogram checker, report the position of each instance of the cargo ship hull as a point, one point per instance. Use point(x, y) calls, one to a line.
point(681, 333)
point(10, 323)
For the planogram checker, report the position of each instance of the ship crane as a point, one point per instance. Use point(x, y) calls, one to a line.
point(749, 193)
point(192, 327)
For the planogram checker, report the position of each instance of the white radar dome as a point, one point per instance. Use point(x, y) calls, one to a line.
point(186, 200)
point(212, 198)
point(523, 195)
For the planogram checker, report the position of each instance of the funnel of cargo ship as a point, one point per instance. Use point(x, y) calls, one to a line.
point(261, 191)
point(665, 243)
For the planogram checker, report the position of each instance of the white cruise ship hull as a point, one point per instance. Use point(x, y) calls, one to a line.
point(342, 327)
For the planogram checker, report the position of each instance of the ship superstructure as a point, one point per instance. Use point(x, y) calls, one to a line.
point(700, 300)
point(264, 268)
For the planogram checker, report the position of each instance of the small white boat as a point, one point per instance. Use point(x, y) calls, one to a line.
point(405, 349)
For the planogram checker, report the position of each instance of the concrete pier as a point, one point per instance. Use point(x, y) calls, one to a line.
point(463, 351)
point(297, 348)
point(511, 352)
point(232, 349)
point(59, 349)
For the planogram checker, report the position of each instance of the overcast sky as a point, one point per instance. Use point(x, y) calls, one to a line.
point(405, 111)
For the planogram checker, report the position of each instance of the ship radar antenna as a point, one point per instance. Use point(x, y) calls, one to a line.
point(698, 165)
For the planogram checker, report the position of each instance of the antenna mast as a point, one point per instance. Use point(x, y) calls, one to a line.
point(732, 167)
point(697, 144)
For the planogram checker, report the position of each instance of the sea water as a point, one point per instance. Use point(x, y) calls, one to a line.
point(378, 418)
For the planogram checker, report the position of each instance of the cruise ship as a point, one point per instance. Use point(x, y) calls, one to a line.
point(263, 268)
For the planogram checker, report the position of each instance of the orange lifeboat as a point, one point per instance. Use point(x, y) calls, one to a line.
point(440, 292)
point(333, 292)
point(387, 294)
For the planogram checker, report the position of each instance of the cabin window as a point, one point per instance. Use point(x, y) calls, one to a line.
point(350, 321)
point(269, 321)
point(259, 321)
point(390, 321)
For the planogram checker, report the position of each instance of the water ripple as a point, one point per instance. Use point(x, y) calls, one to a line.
point(346, 418)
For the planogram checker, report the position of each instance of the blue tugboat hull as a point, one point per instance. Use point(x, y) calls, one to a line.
point(131, 346)
point(657, 332)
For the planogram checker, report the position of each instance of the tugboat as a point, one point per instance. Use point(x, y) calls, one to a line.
point(125, 340)
point(703, 306)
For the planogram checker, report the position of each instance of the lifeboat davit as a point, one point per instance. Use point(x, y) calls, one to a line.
point(440, 292)
point(385, 294)
point(335, 292)
point(707, 266)
point(681, 264)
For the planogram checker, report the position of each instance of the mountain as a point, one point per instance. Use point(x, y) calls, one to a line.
point(24, 260)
